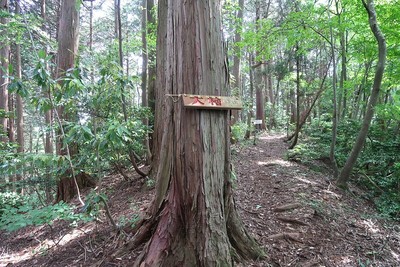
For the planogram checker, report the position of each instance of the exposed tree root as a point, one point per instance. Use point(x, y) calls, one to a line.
point(291, 220)
point(287, 207)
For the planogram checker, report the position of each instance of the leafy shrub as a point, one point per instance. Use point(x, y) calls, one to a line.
point(14, 218)
point(238, 130)
point(10, 200)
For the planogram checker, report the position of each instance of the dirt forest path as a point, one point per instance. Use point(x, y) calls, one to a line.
point(302, 219)
point(297, 215)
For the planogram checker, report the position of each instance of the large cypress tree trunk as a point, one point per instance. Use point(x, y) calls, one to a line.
point(192, 220)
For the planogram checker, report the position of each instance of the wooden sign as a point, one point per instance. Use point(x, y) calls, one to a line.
point(211, 102)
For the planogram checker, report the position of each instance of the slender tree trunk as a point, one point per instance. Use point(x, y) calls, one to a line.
point(334, 102)
point(48, 148)
point(144, 75)
point(4, 60)
point(120, 53)
point(19, 104)
point(121, 62)
point(343, 75)
point(116, 18)
point(258, 80)
point(48, 116)
point(339, 93)
point(11, 132)
point(237, 89)
point(151, 21)
point(272, 97)
point(380, 68)
point(298, 95)
point(11, 119)
point(193, 220)
point(356, 103)
point(91, 39)
point(251, 99)
point(312, 104)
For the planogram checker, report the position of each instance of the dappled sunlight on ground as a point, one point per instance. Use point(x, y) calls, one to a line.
point(280, 162)
point(395, 255)
point(370, 226)
point(304, 180)
point(32, 242)
point(302, 218)
point(270, 137)
point(297, 215)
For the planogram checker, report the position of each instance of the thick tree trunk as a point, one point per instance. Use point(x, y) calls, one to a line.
point(67, 50)
point(380, 68)
point(192, 220)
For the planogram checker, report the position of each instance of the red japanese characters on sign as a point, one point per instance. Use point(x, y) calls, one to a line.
point(197, 101)
point(215, 101)
point(211, 102)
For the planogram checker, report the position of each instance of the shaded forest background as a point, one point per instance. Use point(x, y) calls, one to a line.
point(303, 67)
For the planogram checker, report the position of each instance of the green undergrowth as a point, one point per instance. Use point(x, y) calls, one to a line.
point(17, 211)
point(378, 166)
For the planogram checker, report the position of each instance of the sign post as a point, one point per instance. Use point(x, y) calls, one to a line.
point(256, 122)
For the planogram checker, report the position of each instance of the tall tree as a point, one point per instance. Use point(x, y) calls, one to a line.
point(193, 220)
point(237, 82)
point(48, 115)
point(250, 98)
point(334, 102)
point(19, 100)
point(120, 54)
point(151, 75)
point(4, 60)
point(144, 85)
point(380, 68)
point(20, 103)
point(298, 96)
point(67, 51)
point(258, 77)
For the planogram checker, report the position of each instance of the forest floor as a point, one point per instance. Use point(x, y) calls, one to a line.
point(298, 215)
